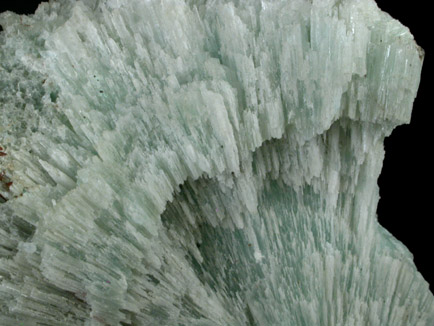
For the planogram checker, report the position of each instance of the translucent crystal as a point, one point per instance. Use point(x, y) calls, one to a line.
point(203, 163)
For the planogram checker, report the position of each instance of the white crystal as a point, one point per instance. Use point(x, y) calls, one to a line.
point(203, 163)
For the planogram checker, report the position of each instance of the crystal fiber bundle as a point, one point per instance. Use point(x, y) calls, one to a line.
point(203, 163)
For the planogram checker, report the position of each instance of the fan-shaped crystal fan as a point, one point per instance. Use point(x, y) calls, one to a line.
point(203, 163)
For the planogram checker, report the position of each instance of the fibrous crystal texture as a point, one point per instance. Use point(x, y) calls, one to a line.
point(203, 163)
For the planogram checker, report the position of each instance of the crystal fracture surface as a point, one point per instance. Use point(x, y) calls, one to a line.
point(203, 163)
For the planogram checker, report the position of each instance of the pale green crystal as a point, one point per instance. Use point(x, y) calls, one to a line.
point(201, 163)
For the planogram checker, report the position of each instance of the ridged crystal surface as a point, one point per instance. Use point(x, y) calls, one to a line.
point(203, 163)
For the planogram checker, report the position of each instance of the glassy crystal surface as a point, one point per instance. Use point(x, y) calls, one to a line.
point(203, 163)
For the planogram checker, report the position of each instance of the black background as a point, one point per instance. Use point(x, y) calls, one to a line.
point(405, 181)
point(407, 176)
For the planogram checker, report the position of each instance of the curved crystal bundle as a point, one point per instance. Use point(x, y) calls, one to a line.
point(203, 163)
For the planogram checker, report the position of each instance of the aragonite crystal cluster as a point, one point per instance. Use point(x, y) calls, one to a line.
point(203, 163)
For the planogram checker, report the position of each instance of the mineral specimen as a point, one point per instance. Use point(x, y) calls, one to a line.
point(203, 163)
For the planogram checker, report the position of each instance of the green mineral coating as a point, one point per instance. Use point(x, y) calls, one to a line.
point(203, 163)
